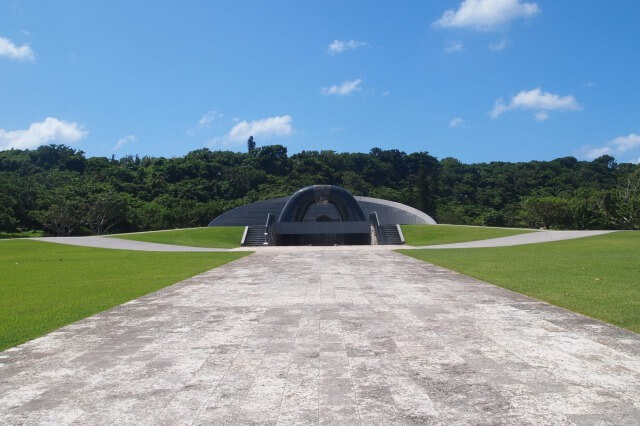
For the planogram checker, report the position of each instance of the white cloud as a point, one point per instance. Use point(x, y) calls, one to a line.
point(536, 99)
point(486, 15)
point(339, 46)
point(542, 115)
point(618, 146)
point(343, 89)
point(208, 118)
point(205, 121)
point(10, 50)
point(336, 130)
point(456, 121)
point(626, 143)
point(593, 153)
point(500, 45)
point(266, 127)
point(454, 46)
point(47, 131)
point(123, 141)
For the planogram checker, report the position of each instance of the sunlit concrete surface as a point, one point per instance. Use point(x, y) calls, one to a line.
point(122, 244)
point(521, 239)
point(338, 336)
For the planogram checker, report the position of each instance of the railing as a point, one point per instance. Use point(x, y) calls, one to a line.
point(268, 232)
point(244, 235)
point(400, 234)
point(375, 222)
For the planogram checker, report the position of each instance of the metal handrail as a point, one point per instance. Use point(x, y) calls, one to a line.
point(268, 232)
point(399, 229)
point(373, 217)
point(244, 235)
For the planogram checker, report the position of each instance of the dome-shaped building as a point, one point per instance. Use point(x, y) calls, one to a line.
point(322, 215)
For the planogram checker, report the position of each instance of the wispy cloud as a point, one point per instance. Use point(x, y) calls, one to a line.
point(265, 128)
point(11, 51)
point(343, 89)
point(205, 121)
point(40, 133)
point(622, 145)
point(123, 141)
point(340, 46)
point(536, 100)
point(453, 46)
point(336, 130)
point(593, 153)
point(486, 15)
point(456, 121)
point(541, 116)
point(500, 45)
point(208, 118)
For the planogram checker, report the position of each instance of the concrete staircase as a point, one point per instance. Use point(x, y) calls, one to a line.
point(388, 234)
point(256, 236)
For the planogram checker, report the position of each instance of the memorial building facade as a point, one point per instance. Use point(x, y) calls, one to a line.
point(322, 215)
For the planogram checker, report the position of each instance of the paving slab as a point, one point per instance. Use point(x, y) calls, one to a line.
point(330, 336)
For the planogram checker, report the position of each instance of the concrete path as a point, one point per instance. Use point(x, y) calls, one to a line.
point(338, 336)
point(520, 239)
point(118, 243)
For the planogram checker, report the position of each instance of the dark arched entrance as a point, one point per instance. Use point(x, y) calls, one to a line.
point(336, 218)
point(300, 202)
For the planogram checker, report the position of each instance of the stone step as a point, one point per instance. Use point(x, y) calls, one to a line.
point(256, 236)
point(389, 234)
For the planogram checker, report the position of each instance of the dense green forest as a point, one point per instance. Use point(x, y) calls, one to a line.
point(57, 189)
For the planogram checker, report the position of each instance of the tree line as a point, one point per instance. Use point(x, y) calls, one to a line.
point(58, 189)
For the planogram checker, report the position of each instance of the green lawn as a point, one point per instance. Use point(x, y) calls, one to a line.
point(595, 276)
point(215, 236)
point(423, 235)
point(44, 286)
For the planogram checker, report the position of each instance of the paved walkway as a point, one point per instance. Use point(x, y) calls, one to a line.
point(118, 243)
point(520, 239)
point(326, 336)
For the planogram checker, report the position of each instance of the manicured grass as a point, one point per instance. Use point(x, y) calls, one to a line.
point(215, 236)
point(25, 234)
point(44, 286)
point(595, 276)
point(423, 235)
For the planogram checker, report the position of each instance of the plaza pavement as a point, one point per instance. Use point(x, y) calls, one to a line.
point(328, 336)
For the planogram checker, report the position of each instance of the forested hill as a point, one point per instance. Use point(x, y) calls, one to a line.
point(58, 189)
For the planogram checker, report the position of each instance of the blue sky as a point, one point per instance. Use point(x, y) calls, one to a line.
point(479, 80)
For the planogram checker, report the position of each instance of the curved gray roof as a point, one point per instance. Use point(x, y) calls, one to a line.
point(389, 212)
